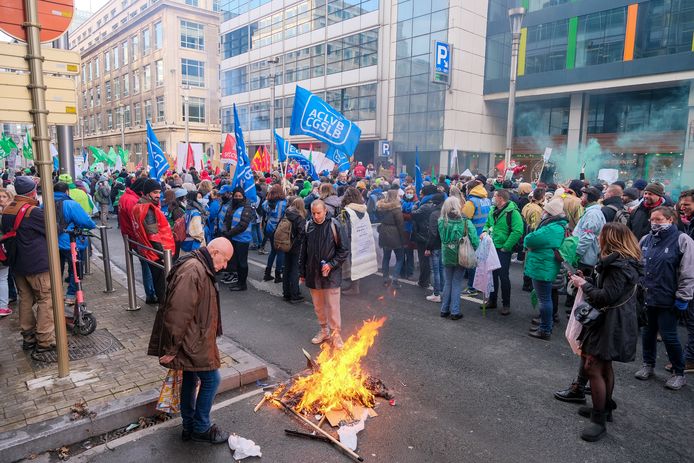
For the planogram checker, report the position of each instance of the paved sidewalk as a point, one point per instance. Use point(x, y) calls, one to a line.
point(113, 361)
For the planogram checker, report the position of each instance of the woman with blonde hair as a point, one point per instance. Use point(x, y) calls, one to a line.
point(613, 336)
point(391, 236)
point(6, 197)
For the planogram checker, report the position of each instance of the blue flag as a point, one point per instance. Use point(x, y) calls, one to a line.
point(284, 148)
point(243, 176)
point(314, 117)
point(417, 172)
point(339, 158)
point(158, 165)
point(306, 164)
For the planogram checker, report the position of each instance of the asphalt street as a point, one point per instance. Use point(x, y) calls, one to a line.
point(478, 389)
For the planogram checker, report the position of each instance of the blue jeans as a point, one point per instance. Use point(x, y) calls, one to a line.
point(543, 289)
point(408, 263)
point(471, 276)
point(450, 299)
point(147, 280)
point(663, 320)
point(271, 257)
point(437, 271)
point(65, 258)
point(4, 287)
point(255, 234)
point(399, 262)
point(195, 410)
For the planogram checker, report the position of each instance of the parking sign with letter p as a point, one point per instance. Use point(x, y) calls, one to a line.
point(441, 62)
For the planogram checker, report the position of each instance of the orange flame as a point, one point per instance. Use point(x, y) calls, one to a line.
point(339, 378)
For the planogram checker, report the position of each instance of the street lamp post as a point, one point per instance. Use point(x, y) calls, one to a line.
point(515, 16)
point(122, 126)
point(273, 63)
point(186, 115)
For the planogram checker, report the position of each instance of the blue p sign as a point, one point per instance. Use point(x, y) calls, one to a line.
point(442, 57)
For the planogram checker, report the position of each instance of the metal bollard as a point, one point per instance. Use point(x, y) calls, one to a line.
point(167, 262)
point(106, 257)
point(130, 272)
point(87, 262)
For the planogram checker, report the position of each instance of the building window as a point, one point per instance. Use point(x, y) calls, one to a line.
point(126, 115)
point(136, 82)
point(235, 81)
point(138, 113)
point(146, 41)
point(84, 74)
point(135, 40)
point(138, 150)
point(158, 36)
point(546, 47)
point(159, 74)
point(542, 118)
point(116, 59)
point(107, 61)
point(96, 67)
point(600, 37)
point(192, 2)
point(235, 42)
point(196, 109)
point(126, 85)
point(109, 120)
point(98, 95)
point(124, 49)
point(160, 109)
point(664, 27)
point(84, 100)
point(91, 97)
point(192, 35)
point(98, 122)
point(148, 110)
point(147, 78)
point(107, 90)
point(192, 72)
point(116, 89)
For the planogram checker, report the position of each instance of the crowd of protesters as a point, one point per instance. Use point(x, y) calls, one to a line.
point(626, 249)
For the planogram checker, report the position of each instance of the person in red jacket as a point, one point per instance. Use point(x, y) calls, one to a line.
point(360, 171)
point(152, 230)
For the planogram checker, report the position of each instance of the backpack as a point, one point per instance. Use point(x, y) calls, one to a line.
point(8, 245)
point(620, 215)
point(179, 229)
point(283, 235)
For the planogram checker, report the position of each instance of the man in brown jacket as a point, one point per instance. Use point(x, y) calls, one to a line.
point(185, 331)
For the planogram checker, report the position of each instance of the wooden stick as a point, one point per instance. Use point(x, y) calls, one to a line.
point(262, 401)
point(334, 441)
point(322, 420)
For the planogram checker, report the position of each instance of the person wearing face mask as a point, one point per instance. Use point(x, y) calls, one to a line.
point(152, 229)
point(238, 230)
point(653, 196)
point(668, 256)
point(408, 201)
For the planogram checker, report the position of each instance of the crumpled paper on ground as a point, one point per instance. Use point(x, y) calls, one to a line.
point(243, 448)
point(348, 433)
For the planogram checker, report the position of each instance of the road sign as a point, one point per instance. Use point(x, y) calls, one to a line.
point(384, 148)
point(16, 103)
point(55, 17)
point(441, 62)
point(55, 61)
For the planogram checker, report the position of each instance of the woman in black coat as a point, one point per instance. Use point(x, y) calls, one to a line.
point(296, 214)
point(391, 236)
point(613, 337)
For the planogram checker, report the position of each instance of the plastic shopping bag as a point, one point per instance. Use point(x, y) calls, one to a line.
point(170, 393)
point(574, 327)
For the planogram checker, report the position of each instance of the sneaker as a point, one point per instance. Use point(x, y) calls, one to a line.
point(151, 300)
point(505, 310)
point(212, 435)
point(235, 287)
point(456, 316)
point(539, 334)
point(268, 277)
point(41, 349)
point(298, 300)
point(470, 292)
point(28, 345)
point(676, 382)
point(4, 312)
point(336, 340)
point(644, 373)
point(321, 337)
point(434, 298)
point(262, 251)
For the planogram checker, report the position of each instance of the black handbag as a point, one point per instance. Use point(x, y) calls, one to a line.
point(588, 316)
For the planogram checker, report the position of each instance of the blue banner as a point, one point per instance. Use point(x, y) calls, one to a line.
point(284, 148)
point(158, 165)
point(243, 175)
point(306, 164)
point(314, 117)
point(339, 158)
point(418, 181)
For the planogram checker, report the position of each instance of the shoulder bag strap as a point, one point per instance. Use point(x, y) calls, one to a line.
point(20, 216)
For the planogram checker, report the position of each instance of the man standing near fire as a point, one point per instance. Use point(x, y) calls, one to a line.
point(320, 267)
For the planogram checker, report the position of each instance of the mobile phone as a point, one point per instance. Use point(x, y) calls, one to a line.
point(569, 269)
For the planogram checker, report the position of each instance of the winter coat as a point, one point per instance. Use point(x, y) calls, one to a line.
point(609, 205)
point(614, 336)
point(298, 228)
point(30, 242)
point(540, 262)
point(532, 215)
point(189, 321)
point(420, 220)
point(587, 231)
point(407, 208)
point(452, 231)
point(125, 212)
point(82, 198)
point(668, 259)
point(639, 220)
point(333, 204)
point(247, 216)
point(497, 225)
point(434, 239)
point(319, 244)
point(151, 229)
point(274, 211)
point(73, 216)
point(391, 231)
point(477, 207)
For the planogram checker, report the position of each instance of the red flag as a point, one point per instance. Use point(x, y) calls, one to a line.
point(267, 163)
point(229, 151)
point(190, 158)
point(216, 171)
point(501, 167)
point(257, 162)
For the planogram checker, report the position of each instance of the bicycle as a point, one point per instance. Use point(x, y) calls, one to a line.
point(82, 321)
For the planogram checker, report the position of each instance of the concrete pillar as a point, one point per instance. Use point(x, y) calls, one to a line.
point(574, 136)
point(687, 178)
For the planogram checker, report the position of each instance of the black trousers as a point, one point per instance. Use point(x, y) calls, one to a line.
point(159, 280)
point(239, 262)
point(424, 266)
point(290, 279)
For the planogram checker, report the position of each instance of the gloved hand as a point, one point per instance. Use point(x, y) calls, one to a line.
point(681, 305)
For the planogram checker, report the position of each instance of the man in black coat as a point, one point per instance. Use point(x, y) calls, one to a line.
point(639, 222)
point(320, 267)
point(612, 202)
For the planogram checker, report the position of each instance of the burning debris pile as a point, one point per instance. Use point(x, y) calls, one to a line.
point(334, 388)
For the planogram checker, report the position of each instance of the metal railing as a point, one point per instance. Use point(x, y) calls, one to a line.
point(106, 257)
point(130, 269)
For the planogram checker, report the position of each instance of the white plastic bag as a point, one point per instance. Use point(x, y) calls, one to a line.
point(243, 448)
point(574, 327)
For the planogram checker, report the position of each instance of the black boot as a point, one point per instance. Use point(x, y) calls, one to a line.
point(611, 405)
point(278, 277)
point(268, 275)
point(596, 429)
point(574, 393)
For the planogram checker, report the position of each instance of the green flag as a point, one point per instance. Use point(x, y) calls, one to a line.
point(6, 146)
point(123, 154)
point(111, 157)
point(99, 154)
point(27, 149)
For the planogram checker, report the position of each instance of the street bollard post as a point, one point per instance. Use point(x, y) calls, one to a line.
point(106, 257)
point(130, 272)
point(87, 261)
point(167, 262)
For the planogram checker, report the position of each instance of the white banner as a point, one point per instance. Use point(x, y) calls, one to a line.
point(182, 154)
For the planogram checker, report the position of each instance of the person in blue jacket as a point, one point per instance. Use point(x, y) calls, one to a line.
point(69, 215)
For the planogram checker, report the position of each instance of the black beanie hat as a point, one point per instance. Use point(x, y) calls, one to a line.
point(150, 186)
point(137, 185)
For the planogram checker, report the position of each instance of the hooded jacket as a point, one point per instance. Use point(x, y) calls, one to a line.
point(73, 216)
point(319, 244)
point(587, 231)
point(540, 263)
point(391, 231)
point(125, 212)
point(532, 215)
point(298, 228)
point(477, 207)
point(420, 219)
point(189, 321)
point(30, 242)
point(498, 226)
point(334, 204)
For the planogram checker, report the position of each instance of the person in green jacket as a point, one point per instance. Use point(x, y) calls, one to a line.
point(76, 194)
point(541, 265)
point(453, 226)
point(505, 226)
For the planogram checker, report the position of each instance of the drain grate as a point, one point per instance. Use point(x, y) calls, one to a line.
point(99, 342)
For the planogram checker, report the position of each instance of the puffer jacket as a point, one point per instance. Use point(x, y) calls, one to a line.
point(391, 231)
point(451, 232)
point(298, 228)
point(668, 258)
point(73, 216)
point(189, 321)
point(420, 219)
point(587, 231)
point(540, 262)
point(125, 211)
point(318, 245)
point(614, 336)
point(31, 248)
point(497, 225)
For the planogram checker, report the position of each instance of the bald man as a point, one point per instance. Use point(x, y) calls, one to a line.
point(612, 204)
point(184, 335)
